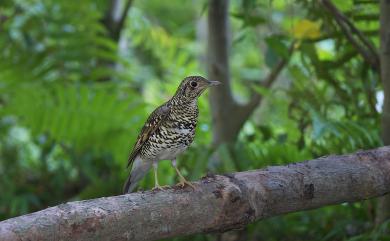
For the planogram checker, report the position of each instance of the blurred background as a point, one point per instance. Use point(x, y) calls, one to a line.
point(78, 80)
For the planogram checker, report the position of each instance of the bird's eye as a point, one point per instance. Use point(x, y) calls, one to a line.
point(193, 84)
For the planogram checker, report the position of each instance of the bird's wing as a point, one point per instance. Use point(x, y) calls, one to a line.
point(153, 122)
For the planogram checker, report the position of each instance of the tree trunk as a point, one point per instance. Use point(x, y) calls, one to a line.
point(218, 204)
point(228, 116)
point(383, 212)
point(114, 22)
point(115, 17)
point(221, 100)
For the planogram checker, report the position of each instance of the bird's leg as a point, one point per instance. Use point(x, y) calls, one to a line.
point(182, 181)
point(156, 184)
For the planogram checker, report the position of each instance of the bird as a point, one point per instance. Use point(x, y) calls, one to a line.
point(168, 132)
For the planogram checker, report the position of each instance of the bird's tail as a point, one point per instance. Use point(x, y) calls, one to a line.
point(129, 185)
point(138, 171)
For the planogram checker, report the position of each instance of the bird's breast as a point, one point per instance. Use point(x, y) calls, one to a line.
point(169, 141)
point(173, 136)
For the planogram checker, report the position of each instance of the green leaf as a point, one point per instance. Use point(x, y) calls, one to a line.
point(278, 46)
point(249, 20)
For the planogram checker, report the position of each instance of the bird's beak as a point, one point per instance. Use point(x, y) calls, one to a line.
point(212, 83)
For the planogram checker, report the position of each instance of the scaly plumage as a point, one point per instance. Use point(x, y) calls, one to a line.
point(168, 132)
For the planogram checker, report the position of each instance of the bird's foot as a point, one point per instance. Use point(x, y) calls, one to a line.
point(184, 182)
point(158, 187)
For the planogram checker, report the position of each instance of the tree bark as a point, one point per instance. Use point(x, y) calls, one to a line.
point(219, 203)
point(383, 212)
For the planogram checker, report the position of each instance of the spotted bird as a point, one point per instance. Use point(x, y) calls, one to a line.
point(168, 132)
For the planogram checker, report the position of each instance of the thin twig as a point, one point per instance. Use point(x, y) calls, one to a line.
point(362, 44)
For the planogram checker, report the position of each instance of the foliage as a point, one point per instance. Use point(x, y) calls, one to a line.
point(66, 131)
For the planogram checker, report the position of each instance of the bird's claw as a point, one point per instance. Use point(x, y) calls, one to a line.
point(184, 182)
point(158, 187)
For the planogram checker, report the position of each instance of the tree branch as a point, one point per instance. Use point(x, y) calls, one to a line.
point(219, 203)
point(366, 2)
point(362, 44)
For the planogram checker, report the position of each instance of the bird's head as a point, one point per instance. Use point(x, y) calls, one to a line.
point(193, 86)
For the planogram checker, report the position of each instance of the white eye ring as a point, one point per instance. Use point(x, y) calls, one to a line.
point(193, 84)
